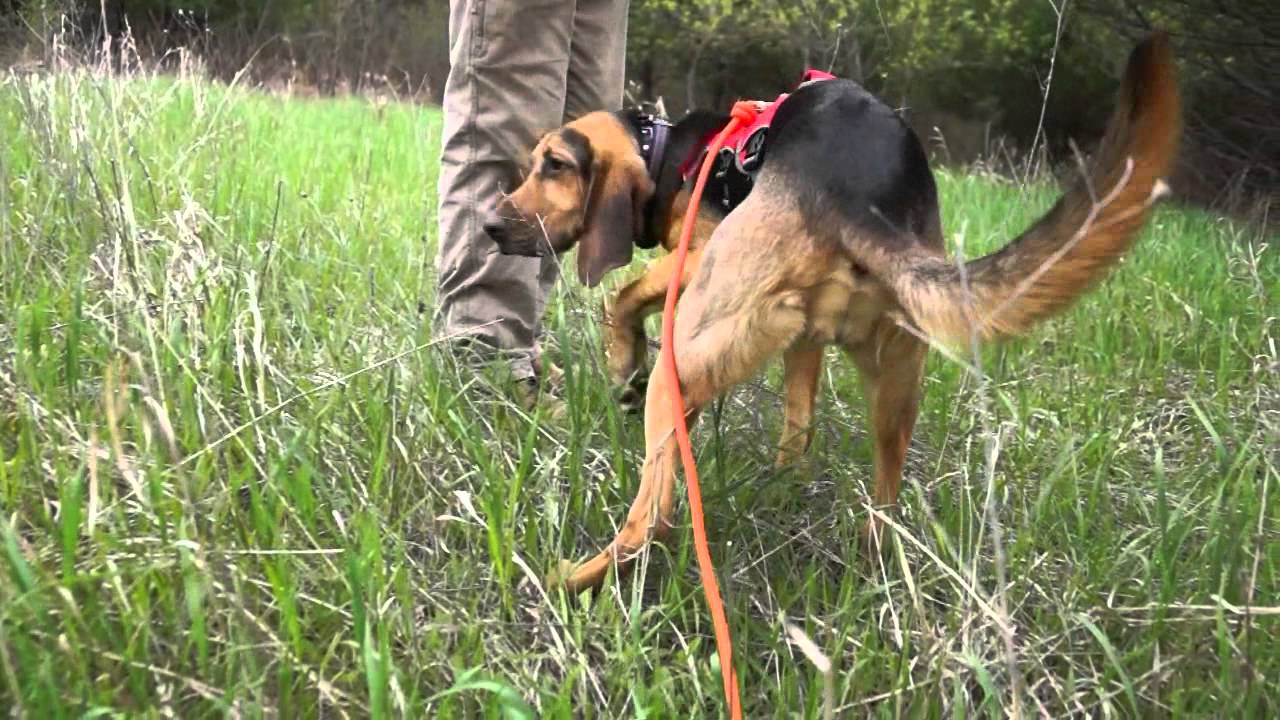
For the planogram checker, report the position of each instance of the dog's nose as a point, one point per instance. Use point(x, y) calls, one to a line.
point(496, 230)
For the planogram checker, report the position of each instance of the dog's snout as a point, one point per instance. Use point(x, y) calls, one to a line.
point(496, 229)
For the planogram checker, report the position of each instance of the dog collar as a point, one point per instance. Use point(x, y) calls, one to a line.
point(654, 132)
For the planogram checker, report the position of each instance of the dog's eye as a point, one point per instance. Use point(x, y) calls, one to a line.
point(552, 165)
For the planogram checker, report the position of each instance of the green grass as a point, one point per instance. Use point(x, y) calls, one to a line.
point(232, 479)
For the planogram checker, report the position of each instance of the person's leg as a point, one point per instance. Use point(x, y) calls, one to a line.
point(509, 60)
point(594, 81)
point(597, 59)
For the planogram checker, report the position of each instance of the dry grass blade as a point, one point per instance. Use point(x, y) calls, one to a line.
point(320, 388)
point(819, 660)
point(999, 619)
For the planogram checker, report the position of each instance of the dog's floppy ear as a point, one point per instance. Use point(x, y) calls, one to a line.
point(615, 216)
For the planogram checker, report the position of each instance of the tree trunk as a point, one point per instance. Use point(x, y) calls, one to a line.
point(646, 74)
point(691, 76)
point(854, 61)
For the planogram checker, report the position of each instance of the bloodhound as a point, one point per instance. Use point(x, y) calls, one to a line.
point(839, 242)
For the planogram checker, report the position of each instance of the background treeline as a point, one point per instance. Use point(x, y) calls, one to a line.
point(970, 74)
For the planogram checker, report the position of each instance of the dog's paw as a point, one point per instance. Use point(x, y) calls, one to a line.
point(875, 537)
point(789, 459)
point(631, 395)
point(562, 572)
point(574, 579)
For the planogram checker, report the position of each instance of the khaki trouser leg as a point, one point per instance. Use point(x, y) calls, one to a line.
point(597, 64)
point(517, 67)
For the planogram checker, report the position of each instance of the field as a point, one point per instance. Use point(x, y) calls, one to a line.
point(237, 477)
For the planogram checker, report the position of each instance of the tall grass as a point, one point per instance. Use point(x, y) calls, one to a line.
point(237, 477)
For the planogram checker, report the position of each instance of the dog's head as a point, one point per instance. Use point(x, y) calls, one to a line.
point(586, 183)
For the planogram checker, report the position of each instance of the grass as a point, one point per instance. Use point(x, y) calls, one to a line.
point(236, 478)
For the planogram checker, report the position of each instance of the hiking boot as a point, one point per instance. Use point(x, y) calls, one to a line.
point(543, 390)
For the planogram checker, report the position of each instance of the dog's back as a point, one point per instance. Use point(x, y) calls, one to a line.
point(853, 162)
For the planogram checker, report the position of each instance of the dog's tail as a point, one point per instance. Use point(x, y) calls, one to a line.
point(1071, 247)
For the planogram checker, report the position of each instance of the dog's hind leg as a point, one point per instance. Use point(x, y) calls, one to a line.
point(891, 363)
point(802, 366)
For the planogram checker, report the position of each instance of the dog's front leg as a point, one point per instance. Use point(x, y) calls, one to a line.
point(626, 345)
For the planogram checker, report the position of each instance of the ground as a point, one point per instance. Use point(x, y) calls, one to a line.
point(237, 477)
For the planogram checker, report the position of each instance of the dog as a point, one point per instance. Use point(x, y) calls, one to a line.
point(839, 242)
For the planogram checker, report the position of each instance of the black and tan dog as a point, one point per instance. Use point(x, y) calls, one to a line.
point(840, 242)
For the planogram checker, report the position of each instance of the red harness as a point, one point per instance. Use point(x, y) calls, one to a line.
point(743, 150)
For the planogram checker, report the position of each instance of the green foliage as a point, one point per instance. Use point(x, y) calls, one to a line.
point(233, 482)
point(979, 60)
point(1006, 68)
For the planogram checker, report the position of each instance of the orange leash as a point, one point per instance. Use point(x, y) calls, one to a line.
point(743, 113)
